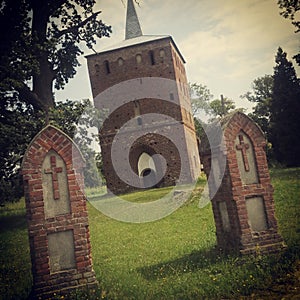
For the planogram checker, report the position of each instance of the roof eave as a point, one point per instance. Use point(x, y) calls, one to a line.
point(133, 45)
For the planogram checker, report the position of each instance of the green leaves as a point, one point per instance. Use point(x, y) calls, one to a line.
point(201, 100)
point(39, 50)
point(200, 96)
point(284, 108)
point(41, 45)
point(289, 10)
point(261, 95)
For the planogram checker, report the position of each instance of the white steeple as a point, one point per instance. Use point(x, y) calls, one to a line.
point(133, 27)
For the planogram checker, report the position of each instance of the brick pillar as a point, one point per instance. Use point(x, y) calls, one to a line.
point(243, 205)
point(57, 215)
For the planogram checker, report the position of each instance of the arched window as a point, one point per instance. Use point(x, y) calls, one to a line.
point(138, 58)
point(97, 69)
point(139, 121)
point(147, 170)
point(137, 108)
point(151, 56)
point(120, 61)
point(162, 55)
point(106, 65)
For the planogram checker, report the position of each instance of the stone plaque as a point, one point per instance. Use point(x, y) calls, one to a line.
point(56, 211)
point(246, 159)
point(243, 206)
point(55, 186)
point(61, 251)
point(216, 172)
point(224, 216)
point(256, 214)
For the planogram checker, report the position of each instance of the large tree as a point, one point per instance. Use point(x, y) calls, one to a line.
point(221, 107)
point(200, 98)
point(20, 125)
point(289, 10)
point(40, 45)
point(261, 96)
point(203, 107)
point(201, 101)
point(285, 108)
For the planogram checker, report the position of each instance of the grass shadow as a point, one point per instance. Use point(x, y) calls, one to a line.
point(12, 222)
point(287, 173)
point(189, 263)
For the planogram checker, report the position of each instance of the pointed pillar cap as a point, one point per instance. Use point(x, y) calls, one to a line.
point(133, 27)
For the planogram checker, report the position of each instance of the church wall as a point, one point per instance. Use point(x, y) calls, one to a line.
point(192, 149)
point(130, 69)
point(159, 58)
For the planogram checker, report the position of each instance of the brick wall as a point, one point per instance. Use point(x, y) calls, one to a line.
point(158, 58)
point(39, 227)
point(235, 193)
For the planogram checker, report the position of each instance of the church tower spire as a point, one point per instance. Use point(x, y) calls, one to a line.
point(133, 27)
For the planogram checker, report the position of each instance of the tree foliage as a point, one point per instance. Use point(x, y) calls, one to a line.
point(21, 123)
point(40, 45)
point(203, 106)
point(221, 107)
point(201, 101)
point(285, 108)
point(289, 10)
point(261, 96)
point(18, 124)
point(39, 50)
point(200, 95)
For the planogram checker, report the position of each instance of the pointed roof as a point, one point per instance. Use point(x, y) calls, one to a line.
point(133, 27)
point(134, 35)
point(143, 39)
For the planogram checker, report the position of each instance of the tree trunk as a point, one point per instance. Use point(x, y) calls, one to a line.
point(43, 79)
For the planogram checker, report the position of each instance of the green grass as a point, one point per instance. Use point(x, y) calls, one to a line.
point(173, 258)
point(15, 267)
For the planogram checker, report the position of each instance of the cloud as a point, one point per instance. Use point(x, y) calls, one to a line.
point(239, 47)
point(227, 44)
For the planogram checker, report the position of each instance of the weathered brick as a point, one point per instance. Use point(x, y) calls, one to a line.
point(170, 67)
point(242, 237)
point(39, 228)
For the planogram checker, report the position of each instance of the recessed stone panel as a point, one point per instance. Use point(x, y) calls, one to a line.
point(256, 214)
point(61, 251)
point(243, 206)
point(246, 159)
point(224, 216)
point(55, 186)
point(215, 167)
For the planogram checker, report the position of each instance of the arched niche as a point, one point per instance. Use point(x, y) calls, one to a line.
point(147, 170)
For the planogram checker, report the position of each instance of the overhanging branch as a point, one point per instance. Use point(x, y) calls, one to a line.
point(74, 29)
point(26, 95)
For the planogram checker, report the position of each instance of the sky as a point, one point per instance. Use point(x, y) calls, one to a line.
point(226, 43)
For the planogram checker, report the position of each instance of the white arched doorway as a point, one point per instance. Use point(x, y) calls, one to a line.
point(147, 170)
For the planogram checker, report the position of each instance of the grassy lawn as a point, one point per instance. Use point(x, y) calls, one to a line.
point(173, 258)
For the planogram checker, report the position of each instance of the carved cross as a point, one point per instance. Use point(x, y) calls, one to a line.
point(54, 170)
point(243, 147)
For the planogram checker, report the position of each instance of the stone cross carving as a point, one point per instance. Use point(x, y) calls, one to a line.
point(57, 216)
point(54, 170)
point(243, 205)
point(243, 147)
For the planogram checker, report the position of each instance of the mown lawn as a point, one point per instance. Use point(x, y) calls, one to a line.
point(173, 258)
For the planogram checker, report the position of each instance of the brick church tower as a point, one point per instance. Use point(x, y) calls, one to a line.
point(144, 75)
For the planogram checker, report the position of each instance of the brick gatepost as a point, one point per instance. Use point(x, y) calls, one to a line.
point(243, 206)
point(57, 215)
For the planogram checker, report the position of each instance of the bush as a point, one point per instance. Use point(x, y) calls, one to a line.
point(11, 189)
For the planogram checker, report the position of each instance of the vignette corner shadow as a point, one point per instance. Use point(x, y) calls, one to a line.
point(192, 262)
